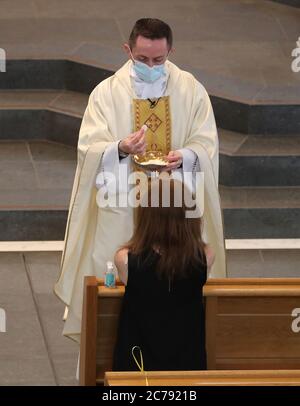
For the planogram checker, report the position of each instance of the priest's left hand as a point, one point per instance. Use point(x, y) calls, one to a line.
point(175, 160)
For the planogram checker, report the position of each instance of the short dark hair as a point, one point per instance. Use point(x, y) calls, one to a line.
point(151, 28)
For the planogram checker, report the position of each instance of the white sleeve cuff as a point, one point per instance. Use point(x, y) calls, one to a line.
point(190, 161)
point(112, 170)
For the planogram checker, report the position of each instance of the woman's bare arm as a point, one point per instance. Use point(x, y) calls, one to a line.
point(121, 262)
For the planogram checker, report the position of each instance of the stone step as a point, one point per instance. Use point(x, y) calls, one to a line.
point(36, 182)
point(55, 114)
point(255, 160)
point(293, 3)
point(36, 186)
point(30, 225)
point(245, 160)
point(235, 114)
point(261, 212)
point(72, 103)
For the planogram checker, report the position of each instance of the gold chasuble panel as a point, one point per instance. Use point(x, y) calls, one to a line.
point(155, 113)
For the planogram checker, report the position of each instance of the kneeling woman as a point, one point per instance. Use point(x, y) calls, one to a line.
point(164, 267)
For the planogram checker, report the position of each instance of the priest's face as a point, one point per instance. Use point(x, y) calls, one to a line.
point(149, 51)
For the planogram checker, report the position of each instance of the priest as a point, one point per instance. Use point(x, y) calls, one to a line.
point(148, 104)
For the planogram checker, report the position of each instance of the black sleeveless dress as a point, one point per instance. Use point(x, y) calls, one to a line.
point(165, 319)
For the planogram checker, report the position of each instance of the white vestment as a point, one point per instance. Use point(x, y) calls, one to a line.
point(94, 234)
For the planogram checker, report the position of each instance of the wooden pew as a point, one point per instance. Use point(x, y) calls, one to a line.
point(100, 316)
point(204, 378)
point(248, 326)
point(248, 323)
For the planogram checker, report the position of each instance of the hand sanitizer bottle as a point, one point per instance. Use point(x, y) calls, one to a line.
point(110, 277)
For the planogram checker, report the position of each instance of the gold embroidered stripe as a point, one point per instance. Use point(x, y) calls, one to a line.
point(156, 116)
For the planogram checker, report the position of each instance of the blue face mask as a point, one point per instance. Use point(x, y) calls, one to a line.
point(147, 74)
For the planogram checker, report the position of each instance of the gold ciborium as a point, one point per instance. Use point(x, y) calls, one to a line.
point(151, 160)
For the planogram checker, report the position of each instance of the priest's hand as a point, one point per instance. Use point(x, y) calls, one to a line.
point(175, 160)
point(135, 143)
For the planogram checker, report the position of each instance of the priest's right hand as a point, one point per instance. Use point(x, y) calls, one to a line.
point(135, 143)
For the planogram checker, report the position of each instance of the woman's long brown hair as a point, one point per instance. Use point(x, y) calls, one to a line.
point(177, 237)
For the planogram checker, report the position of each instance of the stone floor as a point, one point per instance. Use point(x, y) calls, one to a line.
point(219, 41)
point(33, 350)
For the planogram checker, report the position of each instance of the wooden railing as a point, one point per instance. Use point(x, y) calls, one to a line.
point(204, 378)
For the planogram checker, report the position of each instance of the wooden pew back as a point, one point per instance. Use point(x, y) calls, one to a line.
point(248, 325)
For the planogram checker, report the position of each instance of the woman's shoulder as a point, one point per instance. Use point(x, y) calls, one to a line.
point(121, 261)
point(121, 257)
